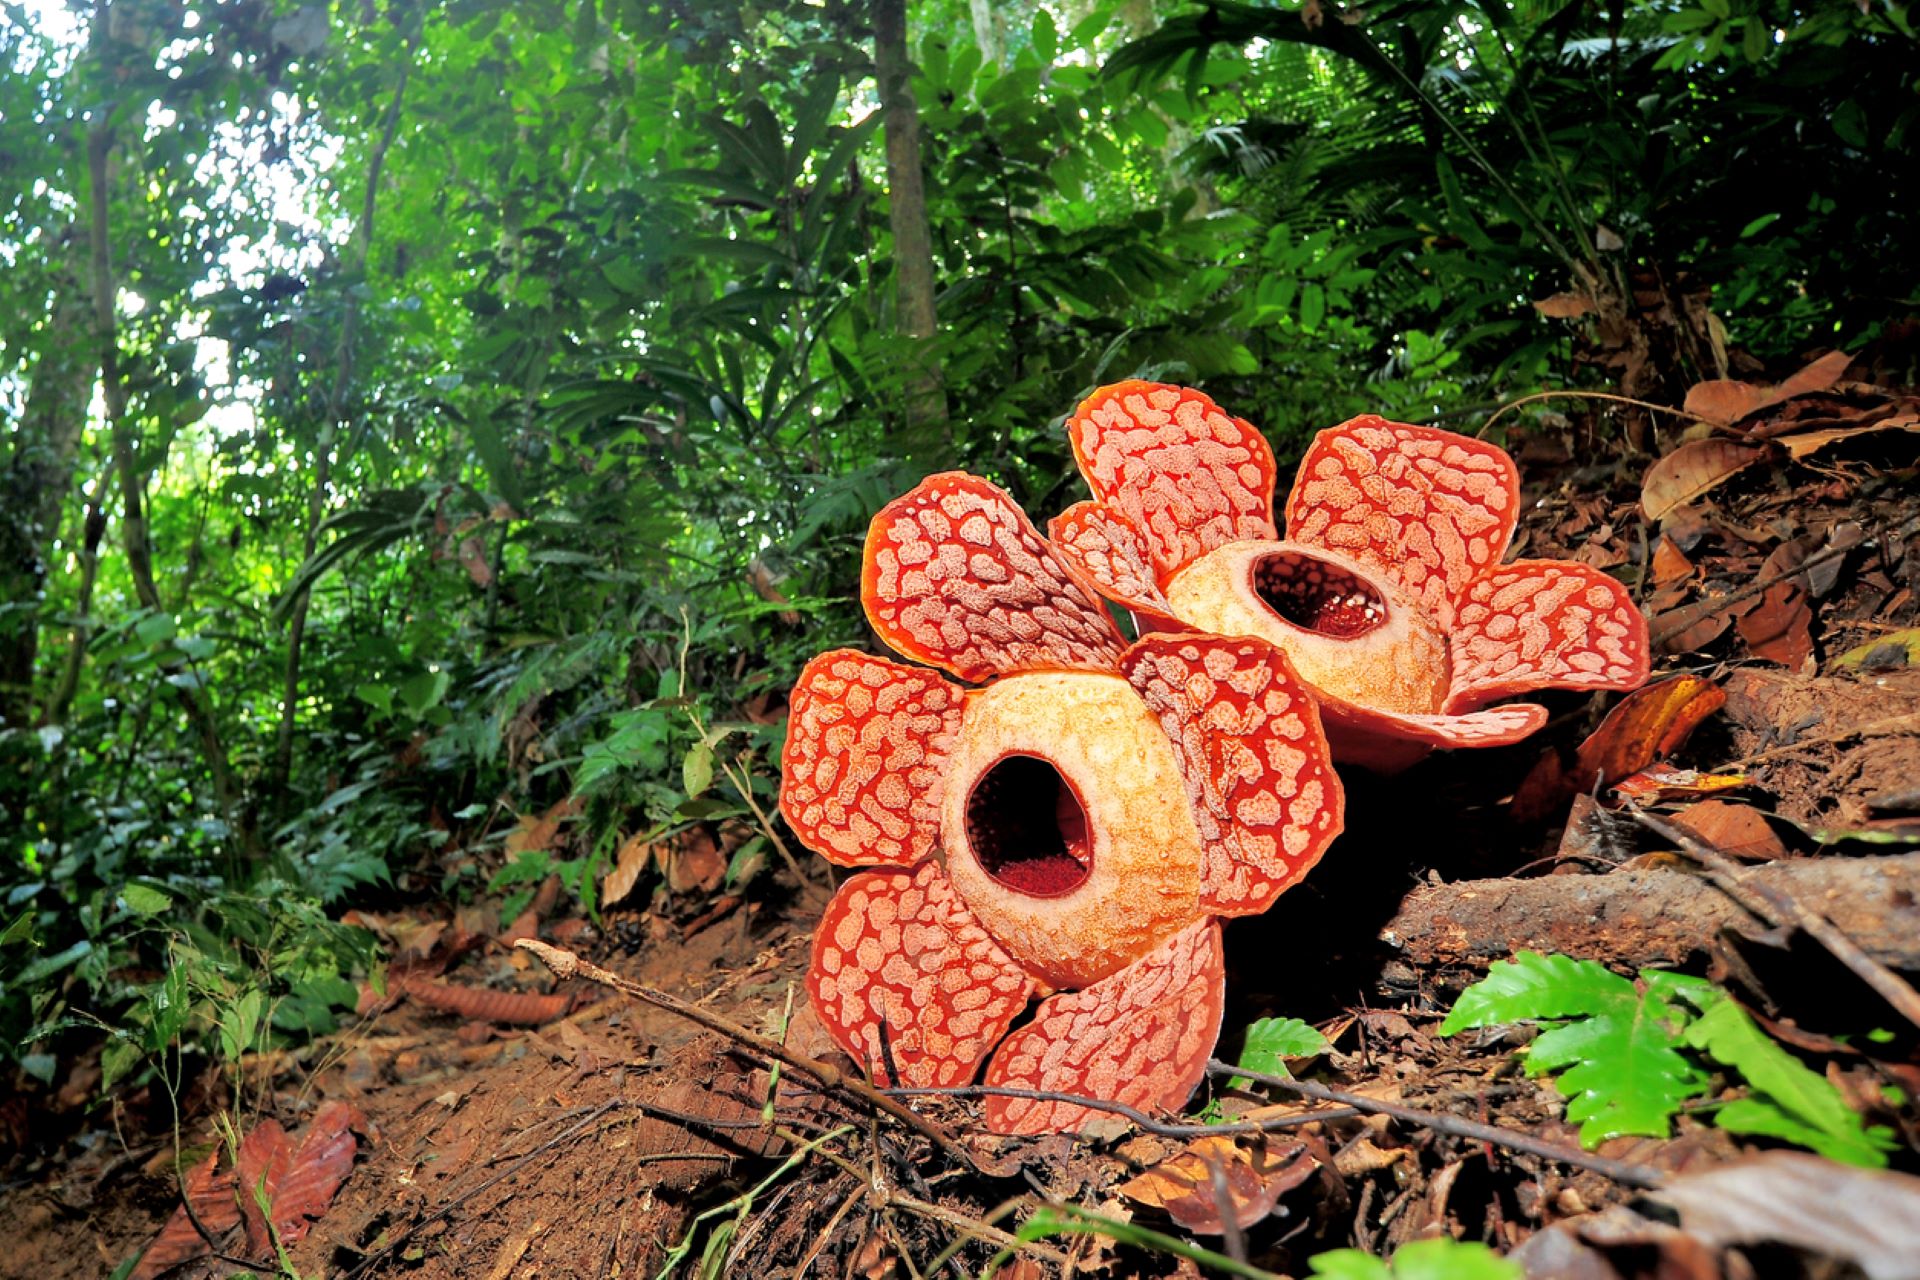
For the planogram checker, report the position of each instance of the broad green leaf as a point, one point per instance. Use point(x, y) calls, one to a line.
point(145, 899)
point(19, 930)
point(239, 1021)
point(46, 966)
point(1270, 1041)
point(696, 771)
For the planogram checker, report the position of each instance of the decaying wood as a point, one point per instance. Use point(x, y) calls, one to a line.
point(1655, 916)
point(1785, 905)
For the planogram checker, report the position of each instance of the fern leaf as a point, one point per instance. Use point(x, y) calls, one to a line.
point(1533, 986)
point(1628, 1075)
point(1790, 1100)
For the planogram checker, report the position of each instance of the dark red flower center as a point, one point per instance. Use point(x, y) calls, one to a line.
point(1318, 596)
point(1028, 828)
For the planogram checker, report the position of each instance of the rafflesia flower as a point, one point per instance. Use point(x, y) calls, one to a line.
point(1074, 825)
point(1388, 595)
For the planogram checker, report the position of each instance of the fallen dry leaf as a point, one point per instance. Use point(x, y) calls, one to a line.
point(1659, 782)
point(211, 1193)
point(538, 835)
point(1649, 724)
point(1806, 443)
point(1564, 306)
point(1692, 470)
point(1215, 1173)
point(1777, 628)
point(1738, 830)
point(298, 1183)
point(1724, 401)
point(636, 852)
point(1869, 1217)
point(1885, 653)
point(1670, 563)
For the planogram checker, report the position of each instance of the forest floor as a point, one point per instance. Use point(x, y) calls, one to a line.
point(616, 1136)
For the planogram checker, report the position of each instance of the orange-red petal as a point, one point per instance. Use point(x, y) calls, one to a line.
point(1258, 771)
point(899, 949)
point(1433, 508)
point(1388, 741)
point(1112, 556)
point(866, 743)
point(1537, 624)
point(957, 576)
point(1141, 1037)
point(1168, 461)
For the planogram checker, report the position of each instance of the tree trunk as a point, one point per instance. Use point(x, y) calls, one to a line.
point(320, 497)
point(926, 435)
point(38, 476)
point(102, 166)
point(986, 33)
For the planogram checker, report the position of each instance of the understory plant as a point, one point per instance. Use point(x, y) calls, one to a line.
point(1630, 1055)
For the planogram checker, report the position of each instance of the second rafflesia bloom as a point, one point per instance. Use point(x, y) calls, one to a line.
point(1388, 593)
point(1074, 825)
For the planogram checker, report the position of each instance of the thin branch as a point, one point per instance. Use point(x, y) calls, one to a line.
point(565, 964)
point(1607, 396)
point(1775, 904)
point(1630, 1175)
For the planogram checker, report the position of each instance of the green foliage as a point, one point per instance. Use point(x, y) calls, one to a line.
point(1441, 1259)
point(1619, 1048)
point(532, 451)
point(1271, 1041)
point(1787, 1100)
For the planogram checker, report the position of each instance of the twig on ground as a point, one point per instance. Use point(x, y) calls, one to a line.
point(1774, 903)
point(566, 964)
point(972, 1228)
point(1631, 1175)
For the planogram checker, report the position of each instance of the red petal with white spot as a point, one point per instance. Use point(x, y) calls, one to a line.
point(1388, 741)
point(1537, 624)
point(866, 746)
point(956, 575)
point(1258, 771)
point(1141, 1037)
point(1185, 474)
point(1433, 508)
point(1113, 558)
point(900, 949)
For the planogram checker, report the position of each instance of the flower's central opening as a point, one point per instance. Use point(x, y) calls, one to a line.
point(1317, 596)
point(1028, 829)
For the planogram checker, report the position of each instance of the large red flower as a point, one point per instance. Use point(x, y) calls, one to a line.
point(1074, 825)
point(1388, 595)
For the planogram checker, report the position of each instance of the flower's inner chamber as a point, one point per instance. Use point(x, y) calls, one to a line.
point(1028, 829)
point(1317, 596)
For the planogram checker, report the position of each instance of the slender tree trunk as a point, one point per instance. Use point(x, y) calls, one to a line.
point(38, 475)
point(320, 496)
point(986, 32)
point(102, 165)
point(926, 411)
point(93, 528)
